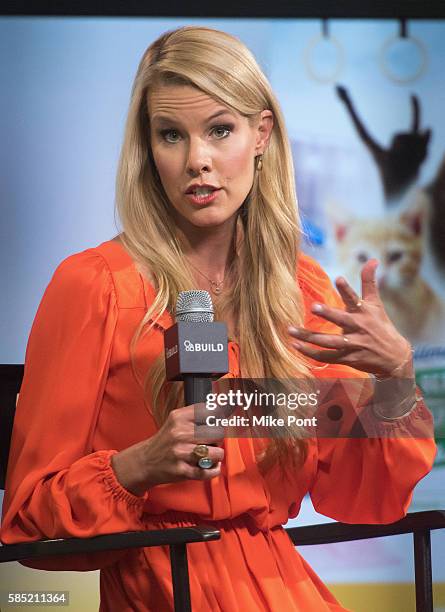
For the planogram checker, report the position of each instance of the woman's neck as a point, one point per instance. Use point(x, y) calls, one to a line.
point(211, 250)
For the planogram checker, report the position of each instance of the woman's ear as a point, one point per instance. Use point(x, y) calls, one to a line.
point(264, 130)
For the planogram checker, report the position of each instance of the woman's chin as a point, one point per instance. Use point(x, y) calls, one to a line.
point(211, 219)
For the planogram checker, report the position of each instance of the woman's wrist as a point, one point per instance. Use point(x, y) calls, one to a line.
point(395, 398)
point(404, 370)
point(395, 394)
point(401, 410)
point(127, 466)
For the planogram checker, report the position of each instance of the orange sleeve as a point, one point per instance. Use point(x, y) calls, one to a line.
point(364, 479)
point(56, 486)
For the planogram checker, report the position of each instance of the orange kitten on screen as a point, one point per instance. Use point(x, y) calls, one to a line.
point(396, 241)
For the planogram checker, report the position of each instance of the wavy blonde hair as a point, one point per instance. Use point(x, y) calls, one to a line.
point(267, 232)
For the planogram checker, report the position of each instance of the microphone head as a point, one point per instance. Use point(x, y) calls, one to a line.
point(194, 306)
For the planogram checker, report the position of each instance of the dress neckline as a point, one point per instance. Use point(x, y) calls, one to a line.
point(166, 320)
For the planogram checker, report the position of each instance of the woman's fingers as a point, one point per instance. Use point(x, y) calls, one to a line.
point(193, 472)
point(215, 453)
point(208, 430)
point(189, 425)
point(340, 356)
point(369, 342)
point(333, 341)
point(350, 298)
point(338, 316)
point(330, 356)
point(207, 434)
point(188, 462)
point(370, 291)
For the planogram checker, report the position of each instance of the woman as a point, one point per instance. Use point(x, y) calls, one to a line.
point(206, 197)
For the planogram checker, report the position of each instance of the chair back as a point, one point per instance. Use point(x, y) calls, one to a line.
point(10, 382)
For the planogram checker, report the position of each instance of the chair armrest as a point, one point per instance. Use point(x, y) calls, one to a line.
point(328, 533)
point(113, 541)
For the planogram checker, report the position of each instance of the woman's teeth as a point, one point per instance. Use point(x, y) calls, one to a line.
point(202, 191)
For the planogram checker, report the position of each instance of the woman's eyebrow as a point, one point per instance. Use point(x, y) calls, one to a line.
point(169, 119)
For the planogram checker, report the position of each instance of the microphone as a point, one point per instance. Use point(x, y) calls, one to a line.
point(196, 346)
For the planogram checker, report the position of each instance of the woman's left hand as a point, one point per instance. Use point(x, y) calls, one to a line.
point(369, 341)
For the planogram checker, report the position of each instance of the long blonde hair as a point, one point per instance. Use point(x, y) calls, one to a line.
point(268, 226)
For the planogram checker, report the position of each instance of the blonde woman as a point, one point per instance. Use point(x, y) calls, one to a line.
point(205, 194)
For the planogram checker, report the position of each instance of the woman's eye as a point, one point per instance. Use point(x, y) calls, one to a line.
point(170, 135)
point(222, 131)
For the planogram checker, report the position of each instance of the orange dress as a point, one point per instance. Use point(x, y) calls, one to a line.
point(80, 403)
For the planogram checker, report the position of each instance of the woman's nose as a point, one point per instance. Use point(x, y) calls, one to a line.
point(198, 159)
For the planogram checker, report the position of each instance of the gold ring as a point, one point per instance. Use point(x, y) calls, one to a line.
point(201, 450)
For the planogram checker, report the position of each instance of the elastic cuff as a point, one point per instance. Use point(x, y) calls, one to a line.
point(113, 484)
point(417, 423)
point(413, 401)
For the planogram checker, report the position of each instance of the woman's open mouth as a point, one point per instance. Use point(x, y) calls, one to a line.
point(202, 195)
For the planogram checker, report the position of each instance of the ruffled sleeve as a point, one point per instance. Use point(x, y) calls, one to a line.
point(368, 478)
point(56, 486)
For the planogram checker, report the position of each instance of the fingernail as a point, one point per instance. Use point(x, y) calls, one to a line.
point(296, 332)
point(317, 308)
point(297, 345)
point(292, 330)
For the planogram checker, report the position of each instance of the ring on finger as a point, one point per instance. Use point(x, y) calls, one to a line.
point(205, 463)
point(345, 339)
point(201, 451)
point(358, 304)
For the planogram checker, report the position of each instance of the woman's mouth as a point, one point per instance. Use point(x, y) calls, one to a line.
point(202, 195)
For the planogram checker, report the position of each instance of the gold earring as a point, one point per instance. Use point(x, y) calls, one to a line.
point(259, 162)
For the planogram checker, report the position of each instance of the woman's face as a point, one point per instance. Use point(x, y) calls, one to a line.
point(204, 153)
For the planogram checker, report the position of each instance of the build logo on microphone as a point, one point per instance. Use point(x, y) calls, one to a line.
point(203, 346)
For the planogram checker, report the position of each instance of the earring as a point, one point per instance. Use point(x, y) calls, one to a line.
point(259, 162)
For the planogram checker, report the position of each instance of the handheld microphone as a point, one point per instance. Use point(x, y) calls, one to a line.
point(196, 346)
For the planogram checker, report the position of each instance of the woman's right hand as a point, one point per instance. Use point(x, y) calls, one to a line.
point(168, 456)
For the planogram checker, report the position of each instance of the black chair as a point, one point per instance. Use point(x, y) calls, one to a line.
point(419, 524)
